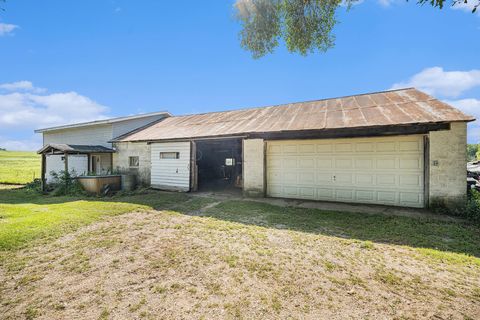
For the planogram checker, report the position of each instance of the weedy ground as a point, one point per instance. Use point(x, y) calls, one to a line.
point(168, 255)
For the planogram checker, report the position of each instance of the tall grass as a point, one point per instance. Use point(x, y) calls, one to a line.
point(19, 167)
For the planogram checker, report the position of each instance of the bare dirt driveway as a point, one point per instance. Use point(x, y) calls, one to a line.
point(208, 259)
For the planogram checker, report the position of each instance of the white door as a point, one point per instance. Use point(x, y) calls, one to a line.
point(383, 170)
point(171, 166)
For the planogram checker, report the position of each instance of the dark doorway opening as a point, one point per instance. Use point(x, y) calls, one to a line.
point(219, 165)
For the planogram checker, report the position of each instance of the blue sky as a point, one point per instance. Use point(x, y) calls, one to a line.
point(64, 61)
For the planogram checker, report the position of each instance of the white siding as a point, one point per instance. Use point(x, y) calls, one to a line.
point(77, 163)
point(91, 135)
point(386, 170)
point(120, 128)
point(171, 174)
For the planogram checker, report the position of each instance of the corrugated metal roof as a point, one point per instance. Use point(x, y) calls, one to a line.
point(72, 148)
point(396, 107)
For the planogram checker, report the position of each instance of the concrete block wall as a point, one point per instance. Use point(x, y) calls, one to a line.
point(253, 168)
point(448, 172)
point(124, 150)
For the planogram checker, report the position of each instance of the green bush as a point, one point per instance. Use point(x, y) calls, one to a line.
point(35, 185)
point(64, 183)
point(472, 209)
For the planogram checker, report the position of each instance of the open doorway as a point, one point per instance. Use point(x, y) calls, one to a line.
point(219, 165)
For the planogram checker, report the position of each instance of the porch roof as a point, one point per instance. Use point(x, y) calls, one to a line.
point(74, 148)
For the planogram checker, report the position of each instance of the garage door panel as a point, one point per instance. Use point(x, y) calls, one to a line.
point(325, 194)
point(343, 163)
point(343, 147)
point(290, 177)
point(306, 178)
point(306, 148)
point(365, 195)
point(409, 198)
point(346, 194)
point(365, 147)
point(410, 146)
point(365, 179)
point(307, 193)
point(344, 178)
point(386, 163)
point(383, 170)
point(411, 180)
point(306, 163)
point(410, 163)
point(324, 177)
point(324, 163)
point(324, 148)
point(386, 146)
point(386, 180)
point(364, 163)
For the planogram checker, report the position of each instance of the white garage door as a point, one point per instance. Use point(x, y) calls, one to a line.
point(384, 170)
point(170, 166)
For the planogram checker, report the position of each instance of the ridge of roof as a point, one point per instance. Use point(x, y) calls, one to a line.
point(296, 102)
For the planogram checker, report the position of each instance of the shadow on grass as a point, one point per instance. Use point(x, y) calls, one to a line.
point(413, 232)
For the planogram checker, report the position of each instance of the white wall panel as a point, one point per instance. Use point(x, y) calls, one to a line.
point(171, 174)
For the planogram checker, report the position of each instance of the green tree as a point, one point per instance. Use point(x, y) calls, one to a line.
point(473, 152)
point(305, 25)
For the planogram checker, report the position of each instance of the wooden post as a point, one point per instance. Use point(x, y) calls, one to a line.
point(111, 163)
point(43, 171)
point(66, 172)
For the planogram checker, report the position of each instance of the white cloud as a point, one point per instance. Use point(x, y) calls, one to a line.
point(436, 81)
point(385, 3)
point(32, 144)
point(6, 28)
point(467, 7)
point(21, 86)
point(471, 107)
point(22, 112)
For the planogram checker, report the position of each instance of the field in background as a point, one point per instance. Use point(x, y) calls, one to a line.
point(19, 166)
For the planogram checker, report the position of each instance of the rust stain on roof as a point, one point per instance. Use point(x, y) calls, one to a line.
point(397, 107)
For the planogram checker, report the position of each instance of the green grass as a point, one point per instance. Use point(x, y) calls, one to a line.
point(26, 216)
point(19, 167)
point(433, 238)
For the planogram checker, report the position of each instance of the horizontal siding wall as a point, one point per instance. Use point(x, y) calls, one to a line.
point(91, 135)
point(76, 163)
point(171, 174)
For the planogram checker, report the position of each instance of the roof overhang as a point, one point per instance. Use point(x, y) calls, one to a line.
point(73, 149)
point(372, 131)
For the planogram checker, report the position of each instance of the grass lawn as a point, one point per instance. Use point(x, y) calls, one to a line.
point(17, 167)
point(171, 255)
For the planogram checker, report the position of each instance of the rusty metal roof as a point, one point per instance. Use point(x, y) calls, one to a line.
point(396, 107)
point(73, 148)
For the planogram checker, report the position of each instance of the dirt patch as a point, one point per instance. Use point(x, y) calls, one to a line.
point(162, 264)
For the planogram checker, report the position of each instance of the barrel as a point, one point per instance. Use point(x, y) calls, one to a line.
point(129, 182)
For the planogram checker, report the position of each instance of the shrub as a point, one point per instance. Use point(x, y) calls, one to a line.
point(35, 185)
point(472, 208)
point(64, 183)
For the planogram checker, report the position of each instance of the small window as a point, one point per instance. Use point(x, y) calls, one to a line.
point(169, 155)
point(133, 162)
